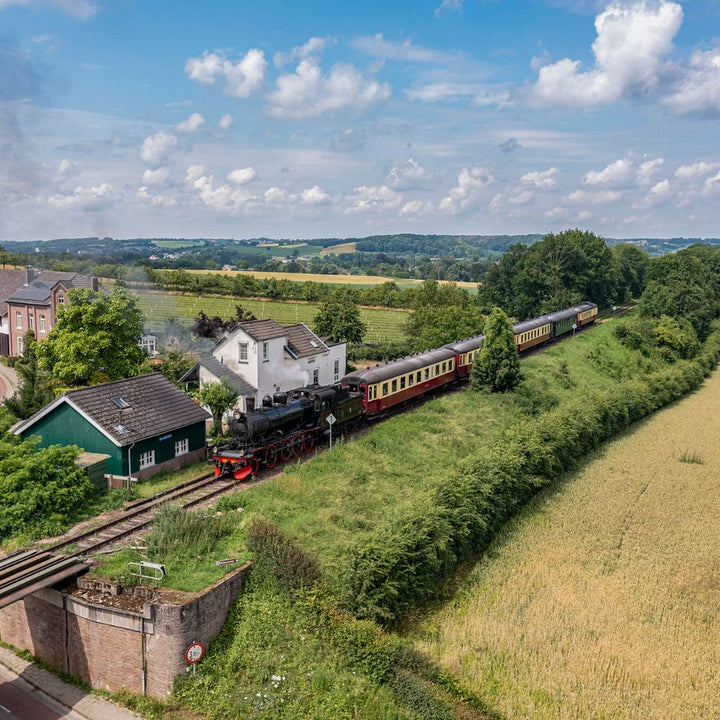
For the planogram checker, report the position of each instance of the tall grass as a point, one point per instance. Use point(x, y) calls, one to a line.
point(600, 600)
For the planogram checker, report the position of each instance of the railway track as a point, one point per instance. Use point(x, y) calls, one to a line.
point(25, 571)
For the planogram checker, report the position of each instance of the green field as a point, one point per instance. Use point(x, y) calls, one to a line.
point(383, 325)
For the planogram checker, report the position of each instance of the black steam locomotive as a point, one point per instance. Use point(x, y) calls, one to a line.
point(287, 425)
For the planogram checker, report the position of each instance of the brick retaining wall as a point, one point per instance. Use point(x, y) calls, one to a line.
point(138, 643)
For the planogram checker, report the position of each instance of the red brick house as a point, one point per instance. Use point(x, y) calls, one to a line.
point(33, 306)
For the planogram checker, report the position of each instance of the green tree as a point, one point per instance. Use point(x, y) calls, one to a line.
point(497, 366)
point(441, 314)
point(35, 390)
point(97, 335)
point(339, 318)
point(218, 397)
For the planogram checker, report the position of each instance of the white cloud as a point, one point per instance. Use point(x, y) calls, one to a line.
point(416, 207)
point(711, 185)
point(697, 91)
point(156, 148)
point(696, 170)
point(377, 46)
point(629, 49)
point(541, 179)
point(658, 194)
point(241, 78)
point(160, 200)
point(648, 169)
point(313, 46)
point(159, 177)
point(67, 168)
point(193, 173)
point(226, 121)
point(373, 199)
point(86, 199)
point(449, 6)
point(619, 172)
point(314, 196)
point(192, 124)
point(464, 194)
point(80, 9)
point(449, 92)
point(409, 175)
point(308, 94)
point(242, 176)
point(595, 197)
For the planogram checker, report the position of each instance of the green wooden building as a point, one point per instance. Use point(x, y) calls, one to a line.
point(145, 424)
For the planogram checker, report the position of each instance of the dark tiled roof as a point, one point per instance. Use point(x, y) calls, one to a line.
point(303, 342)
point(38, 291)
point(223, 372)
point(263, 329)
point(156, 406)
point(10, 282)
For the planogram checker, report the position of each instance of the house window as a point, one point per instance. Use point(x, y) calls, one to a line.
point(249, 404)
point(147, 459)
point(31, 321)
point(147, 343)
point(42, 323)
point(18, 320)
point(266, 351)
point(336, 371)
point(242, 352)
point(181, 447)
point(21, 346)
point(316, 377)
point(60, 299)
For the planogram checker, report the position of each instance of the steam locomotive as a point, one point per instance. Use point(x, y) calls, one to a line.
point(289, 424)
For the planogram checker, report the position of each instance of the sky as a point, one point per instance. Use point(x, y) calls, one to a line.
point(138, 118)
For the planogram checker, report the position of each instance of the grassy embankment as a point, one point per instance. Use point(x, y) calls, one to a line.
point(601, 599)
point(383, 325)
point(390, 516)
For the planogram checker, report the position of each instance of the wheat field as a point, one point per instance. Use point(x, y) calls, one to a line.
point(602, 599)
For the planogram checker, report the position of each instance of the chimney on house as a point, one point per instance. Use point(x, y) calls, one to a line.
point(29, 274)
point(94, 283)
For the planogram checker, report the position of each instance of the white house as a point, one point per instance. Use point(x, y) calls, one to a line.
point(261, 357)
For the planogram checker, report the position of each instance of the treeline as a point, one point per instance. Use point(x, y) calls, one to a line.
point(563, 270)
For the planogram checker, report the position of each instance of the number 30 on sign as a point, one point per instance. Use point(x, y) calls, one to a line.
point(194, 653)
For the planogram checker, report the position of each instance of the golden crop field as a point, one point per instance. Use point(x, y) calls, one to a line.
point(602, 599)
point(349, 247)
point(328, 279)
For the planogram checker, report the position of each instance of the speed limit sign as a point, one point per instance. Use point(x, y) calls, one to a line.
point(194, 653)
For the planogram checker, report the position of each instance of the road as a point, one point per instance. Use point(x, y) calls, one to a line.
point(20, 701)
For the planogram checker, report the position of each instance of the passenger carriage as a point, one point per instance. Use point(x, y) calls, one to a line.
point(394, 383)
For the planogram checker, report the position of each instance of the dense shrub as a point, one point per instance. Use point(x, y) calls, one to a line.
point(407, 560)
point(280, 556)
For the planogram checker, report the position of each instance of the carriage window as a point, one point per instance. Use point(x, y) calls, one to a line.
point(402, 383)
point(418, 378)
point(394, 385)
point(444, 367)
point(385, 389)
point(427, 373)
point(410, 379)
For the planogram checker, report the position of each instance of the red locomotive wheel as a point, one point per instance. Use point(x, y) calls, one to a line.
point(271, 455)
point(297, 445)
point(308, 441)
point(255, 464)
point(286, 449)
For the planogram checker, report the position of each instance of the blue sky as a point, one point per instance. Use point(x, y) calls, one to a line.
point(138, 118)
